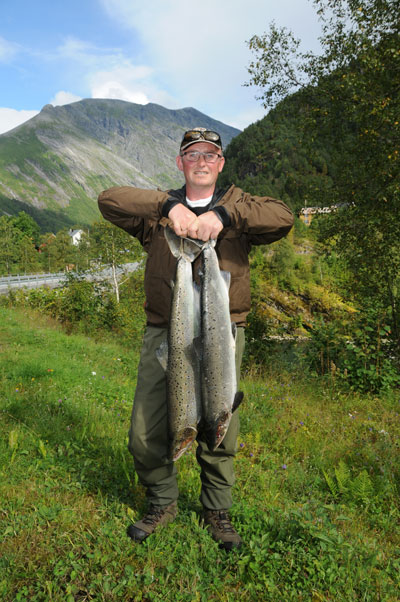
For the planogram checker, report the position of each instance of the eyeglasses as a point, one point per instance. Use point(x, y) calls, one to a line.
point(194, 156)
point(208, 135)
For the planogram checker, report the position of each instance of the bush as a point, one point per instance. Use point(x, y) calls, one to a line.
point(359, 352)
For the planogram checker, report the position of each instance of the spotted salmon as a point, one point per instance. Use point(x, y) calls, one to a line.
point(180, 358)
point(220, 397)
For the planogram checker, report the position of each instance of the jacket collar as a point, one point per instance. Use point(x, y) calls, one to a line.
point(180, 195)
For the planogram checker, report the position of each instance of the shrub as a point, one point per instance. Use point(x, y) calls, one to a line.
point(357, 352)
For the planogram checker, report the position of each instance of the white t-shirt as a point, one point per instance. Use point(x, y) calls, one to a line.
point(199, 203)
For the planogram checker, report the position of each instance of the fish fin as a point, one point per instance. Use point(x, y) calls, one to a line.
point(174, 242)
point(162, 355)
point(198, 347)
point(197, 297)
point(234, 330)
point(237, 401)
point(226, 277)
point(197, 287)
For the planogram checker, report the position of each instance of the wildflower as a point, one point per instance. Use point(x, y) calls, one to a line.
point(94, 373)
point(301, 423)
point(242, 445)
point(251, 455)
point(284, 467)
point(60, 401)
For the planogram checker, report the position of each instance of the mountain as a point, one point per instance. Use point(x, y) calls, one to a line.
point(277, 156)
point(54, 165)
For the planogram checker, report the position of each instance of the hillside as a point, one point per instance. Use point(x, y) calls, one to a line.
point(276, 156)
point(54, 165)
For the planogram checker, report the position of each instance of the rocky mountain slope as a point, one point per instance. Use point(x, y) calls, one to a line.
point(54, 165)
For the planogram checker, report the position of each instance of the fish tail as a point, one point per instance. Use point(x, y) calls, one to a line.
point(182, 441)
point(237, 401)
point(216, 434)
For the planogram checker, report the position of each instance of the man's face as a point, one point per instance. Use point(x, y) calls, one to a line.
point(201, 174)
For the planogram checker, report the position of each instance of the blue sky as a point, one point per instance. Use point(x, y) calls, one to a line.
point(177, 53)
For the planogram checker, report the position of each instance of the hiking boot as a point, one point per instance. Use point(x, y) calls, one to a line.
point(156, 516)
point(219, 524)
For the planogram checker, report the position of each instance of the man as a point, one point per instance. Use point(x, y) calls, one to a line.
point(198, 210)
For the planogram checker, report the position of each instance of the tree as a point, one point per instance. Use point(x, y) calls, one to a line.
point(17, 250)
point(350, 96)
point(111, 247)
point(9, 245)
point(27, 226)
point(57, 251)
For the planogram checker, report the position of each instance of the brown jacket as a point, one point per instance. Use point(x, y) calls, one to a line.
point(252, 221)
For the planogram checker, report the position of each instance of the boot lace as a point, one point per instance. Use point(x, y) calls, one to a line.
point(223, 522)
point(153, 515)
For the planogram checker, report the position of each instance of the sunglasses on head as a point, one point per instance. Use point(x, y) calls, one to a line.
point(208, 135)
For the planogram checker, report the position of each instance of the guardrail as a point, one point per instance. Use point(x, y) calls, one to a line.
point(53, 280)
point(31, 278)
point(8, 283)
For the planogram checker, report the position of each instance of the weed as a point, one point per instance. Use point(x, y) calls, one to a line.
point(316, 494)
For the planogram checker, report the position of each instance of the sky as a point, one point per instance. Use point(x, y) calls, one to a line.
point(176, 53)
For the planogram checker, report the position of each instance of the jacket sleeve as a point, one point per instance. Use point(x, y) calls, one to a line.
point(262, 219)
point(132, 208)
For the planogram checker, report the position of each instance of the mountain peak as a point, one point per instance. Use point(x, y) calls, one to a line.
point(58, 161)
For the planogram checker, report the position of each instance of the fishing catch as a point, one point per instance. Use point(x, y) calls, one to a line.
point(179, 358)
point(199, 357)
point(220, 397)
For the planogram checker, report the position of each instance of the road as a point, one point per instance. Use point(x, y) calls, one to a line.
point(29, 281)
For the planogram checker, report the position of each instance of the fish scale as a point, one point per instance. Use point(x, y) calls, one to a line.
point(182, 365)
point(199, 357)
point(220, 397)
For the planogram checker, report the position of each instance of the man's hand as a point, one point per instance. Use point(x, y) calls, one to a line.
point(181, 218)
point(186, 223)
point(206, 226)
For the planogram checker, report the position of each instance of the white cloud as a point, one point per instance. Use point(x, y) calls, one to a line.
point(130, 83)
point(7, 50)
point(201, 52)
point(108, 73)
point(64, 98)
point(116, 90)
point(203, 46)
point(11, 118)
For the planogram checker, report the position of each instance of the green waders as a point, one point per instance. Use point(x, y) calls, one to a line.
point(148, 435)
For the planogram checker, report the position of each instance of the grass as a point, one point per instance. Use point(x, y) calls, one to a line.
point(316, 497)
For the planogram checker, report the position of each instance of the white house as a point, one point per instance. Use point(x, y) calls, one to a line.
point(75, 236)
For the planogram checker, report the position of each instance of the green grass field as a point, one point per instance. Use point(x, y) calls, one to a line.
point(316, 497)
